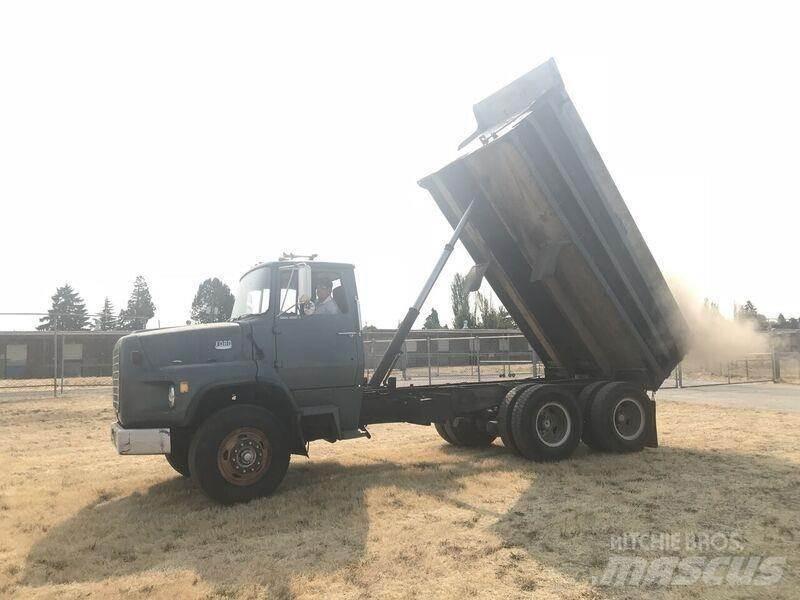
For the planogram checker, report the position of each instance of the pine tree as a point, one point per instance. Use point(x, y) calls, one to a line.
point(68, 311)
point(106, 320)
point(212, 303)
point(491, 317)
point(140, 307)
point(488, 313)
point(505, 320)
point(463, 317)
point(432, 320)
point(747, 312)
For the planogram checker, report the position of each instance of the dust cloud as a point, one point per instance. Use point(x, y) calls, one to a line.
point(714, 339)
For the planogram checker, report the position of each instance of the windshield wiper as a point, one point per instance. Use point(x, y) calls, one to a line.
point(237, 318)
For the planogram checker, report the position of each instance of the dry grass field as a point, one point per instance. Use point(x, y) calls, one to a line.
point(402, 515)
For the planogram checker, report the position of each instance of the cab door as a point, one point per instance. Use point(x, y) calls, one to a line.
point(317, 351)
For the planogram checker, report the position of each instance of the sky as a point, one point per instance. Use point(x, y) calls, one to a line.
point(186, 140)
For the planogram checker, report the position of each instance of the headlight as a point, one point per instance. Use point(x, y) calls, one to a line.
point(171, 396)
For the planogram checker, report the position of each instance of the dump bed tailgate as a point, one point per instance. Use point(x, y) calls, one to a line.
point(561, 250)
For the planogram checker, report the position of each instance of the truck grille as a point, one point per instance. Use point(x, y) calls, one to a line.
point(115, 379)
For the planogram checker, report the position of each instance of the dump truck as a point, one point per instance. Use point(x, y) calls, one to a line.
point(534, 205)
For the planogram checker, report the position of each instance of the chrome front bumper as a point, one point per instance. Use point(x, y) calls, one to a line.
point(140, 441)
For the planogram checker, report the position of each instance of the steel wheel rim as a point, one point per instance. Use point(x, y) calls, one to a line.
point(552, 424)
point(628, 419)
point(244, 455)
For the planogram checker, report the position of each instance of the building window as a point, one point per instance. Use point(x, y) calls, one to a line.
point(73, 360)
point(73, 351)
point(16, 360)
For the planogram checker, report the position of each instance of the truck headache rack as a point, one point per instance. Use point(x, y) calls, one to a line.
point(556, 240)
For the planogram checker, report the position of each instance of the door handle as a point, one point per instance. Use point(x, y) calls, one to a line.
point(349, 333)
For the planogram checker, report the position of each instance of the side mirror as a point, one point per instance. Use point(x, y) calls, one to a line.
point(304, 290)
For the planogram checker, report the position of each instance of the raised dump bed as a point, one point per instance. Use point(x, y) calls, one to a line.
point(557, 242)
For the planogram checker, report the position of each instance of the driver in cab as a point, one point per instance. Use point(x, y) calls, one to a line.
point(325, 304)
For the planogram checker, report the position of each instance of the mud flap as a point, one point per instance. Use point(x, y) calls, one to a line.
point(652, 430)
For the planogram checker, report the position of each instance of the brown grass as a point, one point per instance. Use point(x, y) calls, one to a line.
point(403, 515)
point(47, 383)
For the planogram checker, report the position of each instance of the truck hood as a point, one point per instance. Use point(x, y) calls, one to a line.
point(195, 344)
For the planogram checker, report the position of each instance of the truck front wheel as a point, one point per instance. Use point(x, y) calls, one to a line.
point(238, 454)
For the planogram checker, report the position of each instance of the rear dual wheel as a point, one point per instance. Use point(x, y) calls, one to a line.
point(619, 417)
point(539, 421)
point(545, 423)
point(443, 433)
point(585, 399)
point(504, 412)
point(464, 431)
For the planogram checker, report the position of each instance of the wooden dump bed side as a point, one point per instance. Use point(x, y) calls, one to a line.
point(564, 254)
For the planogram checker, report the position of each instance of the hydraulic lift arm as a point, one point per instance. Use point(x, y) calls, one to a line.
point(393, 351)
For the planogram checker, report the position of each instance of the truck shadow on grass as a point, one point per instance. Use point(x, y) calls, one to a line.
point(319, 521)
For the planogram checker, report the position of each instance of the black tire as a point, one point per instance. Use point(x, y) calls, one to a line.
point(465, 432)
point(442, 431)
point(180, 463)
point(178, 458)
point(504, 412)
point(620, 416)
point(546, 423)
point(250, 433)
point(585, 399)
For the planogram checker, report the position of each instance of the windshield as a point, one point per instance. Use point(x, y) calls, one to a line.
point(253, 295)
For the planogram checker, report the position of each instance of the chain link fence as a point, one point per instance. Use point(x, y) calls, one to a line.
point(787, 366)
point(55, 360)
point(60, 360)
point(752, 368)
point(435, 359)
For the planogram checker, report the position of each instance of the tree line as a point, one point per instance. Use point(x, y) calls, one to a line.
point(480, 314)
point(212, 303)
point(747, 312)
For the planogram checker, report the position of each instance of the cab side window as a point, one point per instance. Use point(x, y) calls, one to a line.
point(330, 295)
